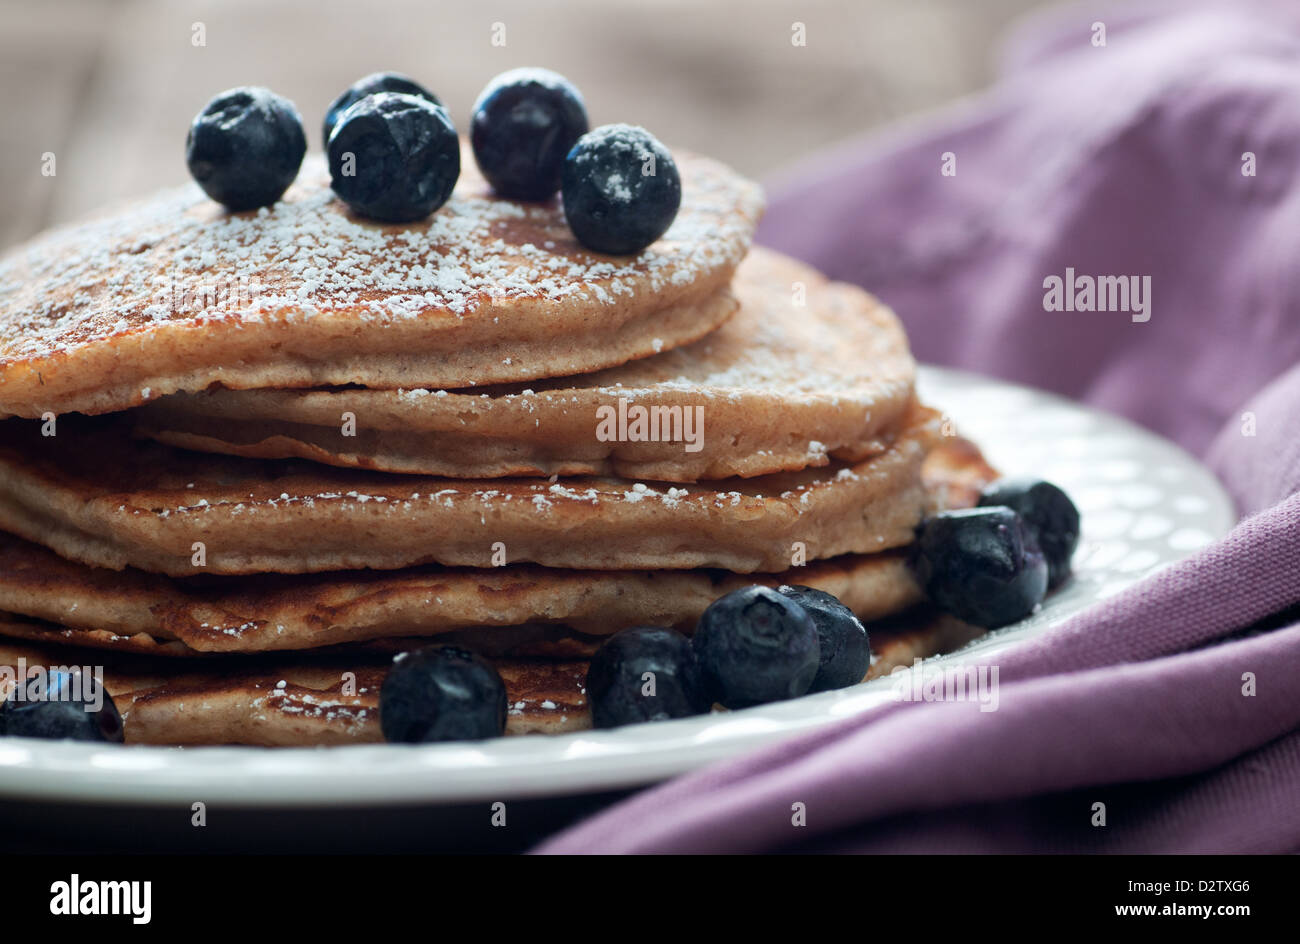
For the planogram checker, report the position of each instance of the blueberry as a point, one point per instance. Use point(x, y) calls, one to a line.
point(394, 157)
point(756, 646)
point(61, 704)
point(524, 124)
point(617, 686)
point(441, 693)
point(1048, 513)
point(621, 189)
point(376, 82)
point(982, 565)
point(245, 147)
point(842, 639)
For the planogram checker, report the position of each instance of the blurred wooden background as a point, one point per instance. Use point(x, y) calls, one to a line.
point(109, 86)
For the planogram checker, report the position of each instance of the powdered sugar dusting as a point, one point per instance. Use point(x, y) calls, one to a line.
point(180, 257)
point(770, 349)
point(543, 497)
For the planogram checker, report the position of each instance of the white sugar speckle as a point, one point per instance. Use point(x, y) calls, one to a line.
point(306, 256)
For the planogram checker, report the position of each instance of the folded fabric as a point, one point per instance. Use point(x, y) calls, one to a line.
point(1172, 151)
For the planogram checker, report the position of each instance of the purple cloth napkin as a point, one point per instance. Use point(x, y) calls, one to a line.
point(1176, 704)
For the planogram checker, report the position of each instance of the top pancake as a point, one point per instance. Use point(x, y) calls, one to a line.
point(175, 293)
point(807, 370)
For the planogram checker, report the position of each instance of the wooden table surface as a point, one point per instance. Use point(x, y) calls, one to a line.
point(109, 86)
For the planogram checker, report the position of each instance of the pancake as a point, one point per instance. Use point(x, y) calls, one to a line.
point(798, 377)
point(291, 700)
point(307, 611)
point(93, 496)
point(175, 293)
point(298, 700)
point(536, 641)
point(137, 611)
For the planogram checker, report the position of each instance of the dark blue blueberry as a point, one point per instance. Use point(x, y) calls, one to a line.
point(982, 565)
point(60, 704)
point(245, 147)
point(756, 646)
point(845, 650)
point(376, 82)
point(394, 157)
point(525, 122)
point(441, 693)
point(621, 189)
point(1048, 513)
point(619, 692)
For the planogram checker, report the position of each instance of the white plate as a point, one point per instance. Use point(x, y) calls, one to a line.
point(1144, 502)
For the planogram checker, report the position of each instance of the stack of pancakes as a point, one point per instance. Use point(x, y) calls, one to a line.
point(250, 456)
